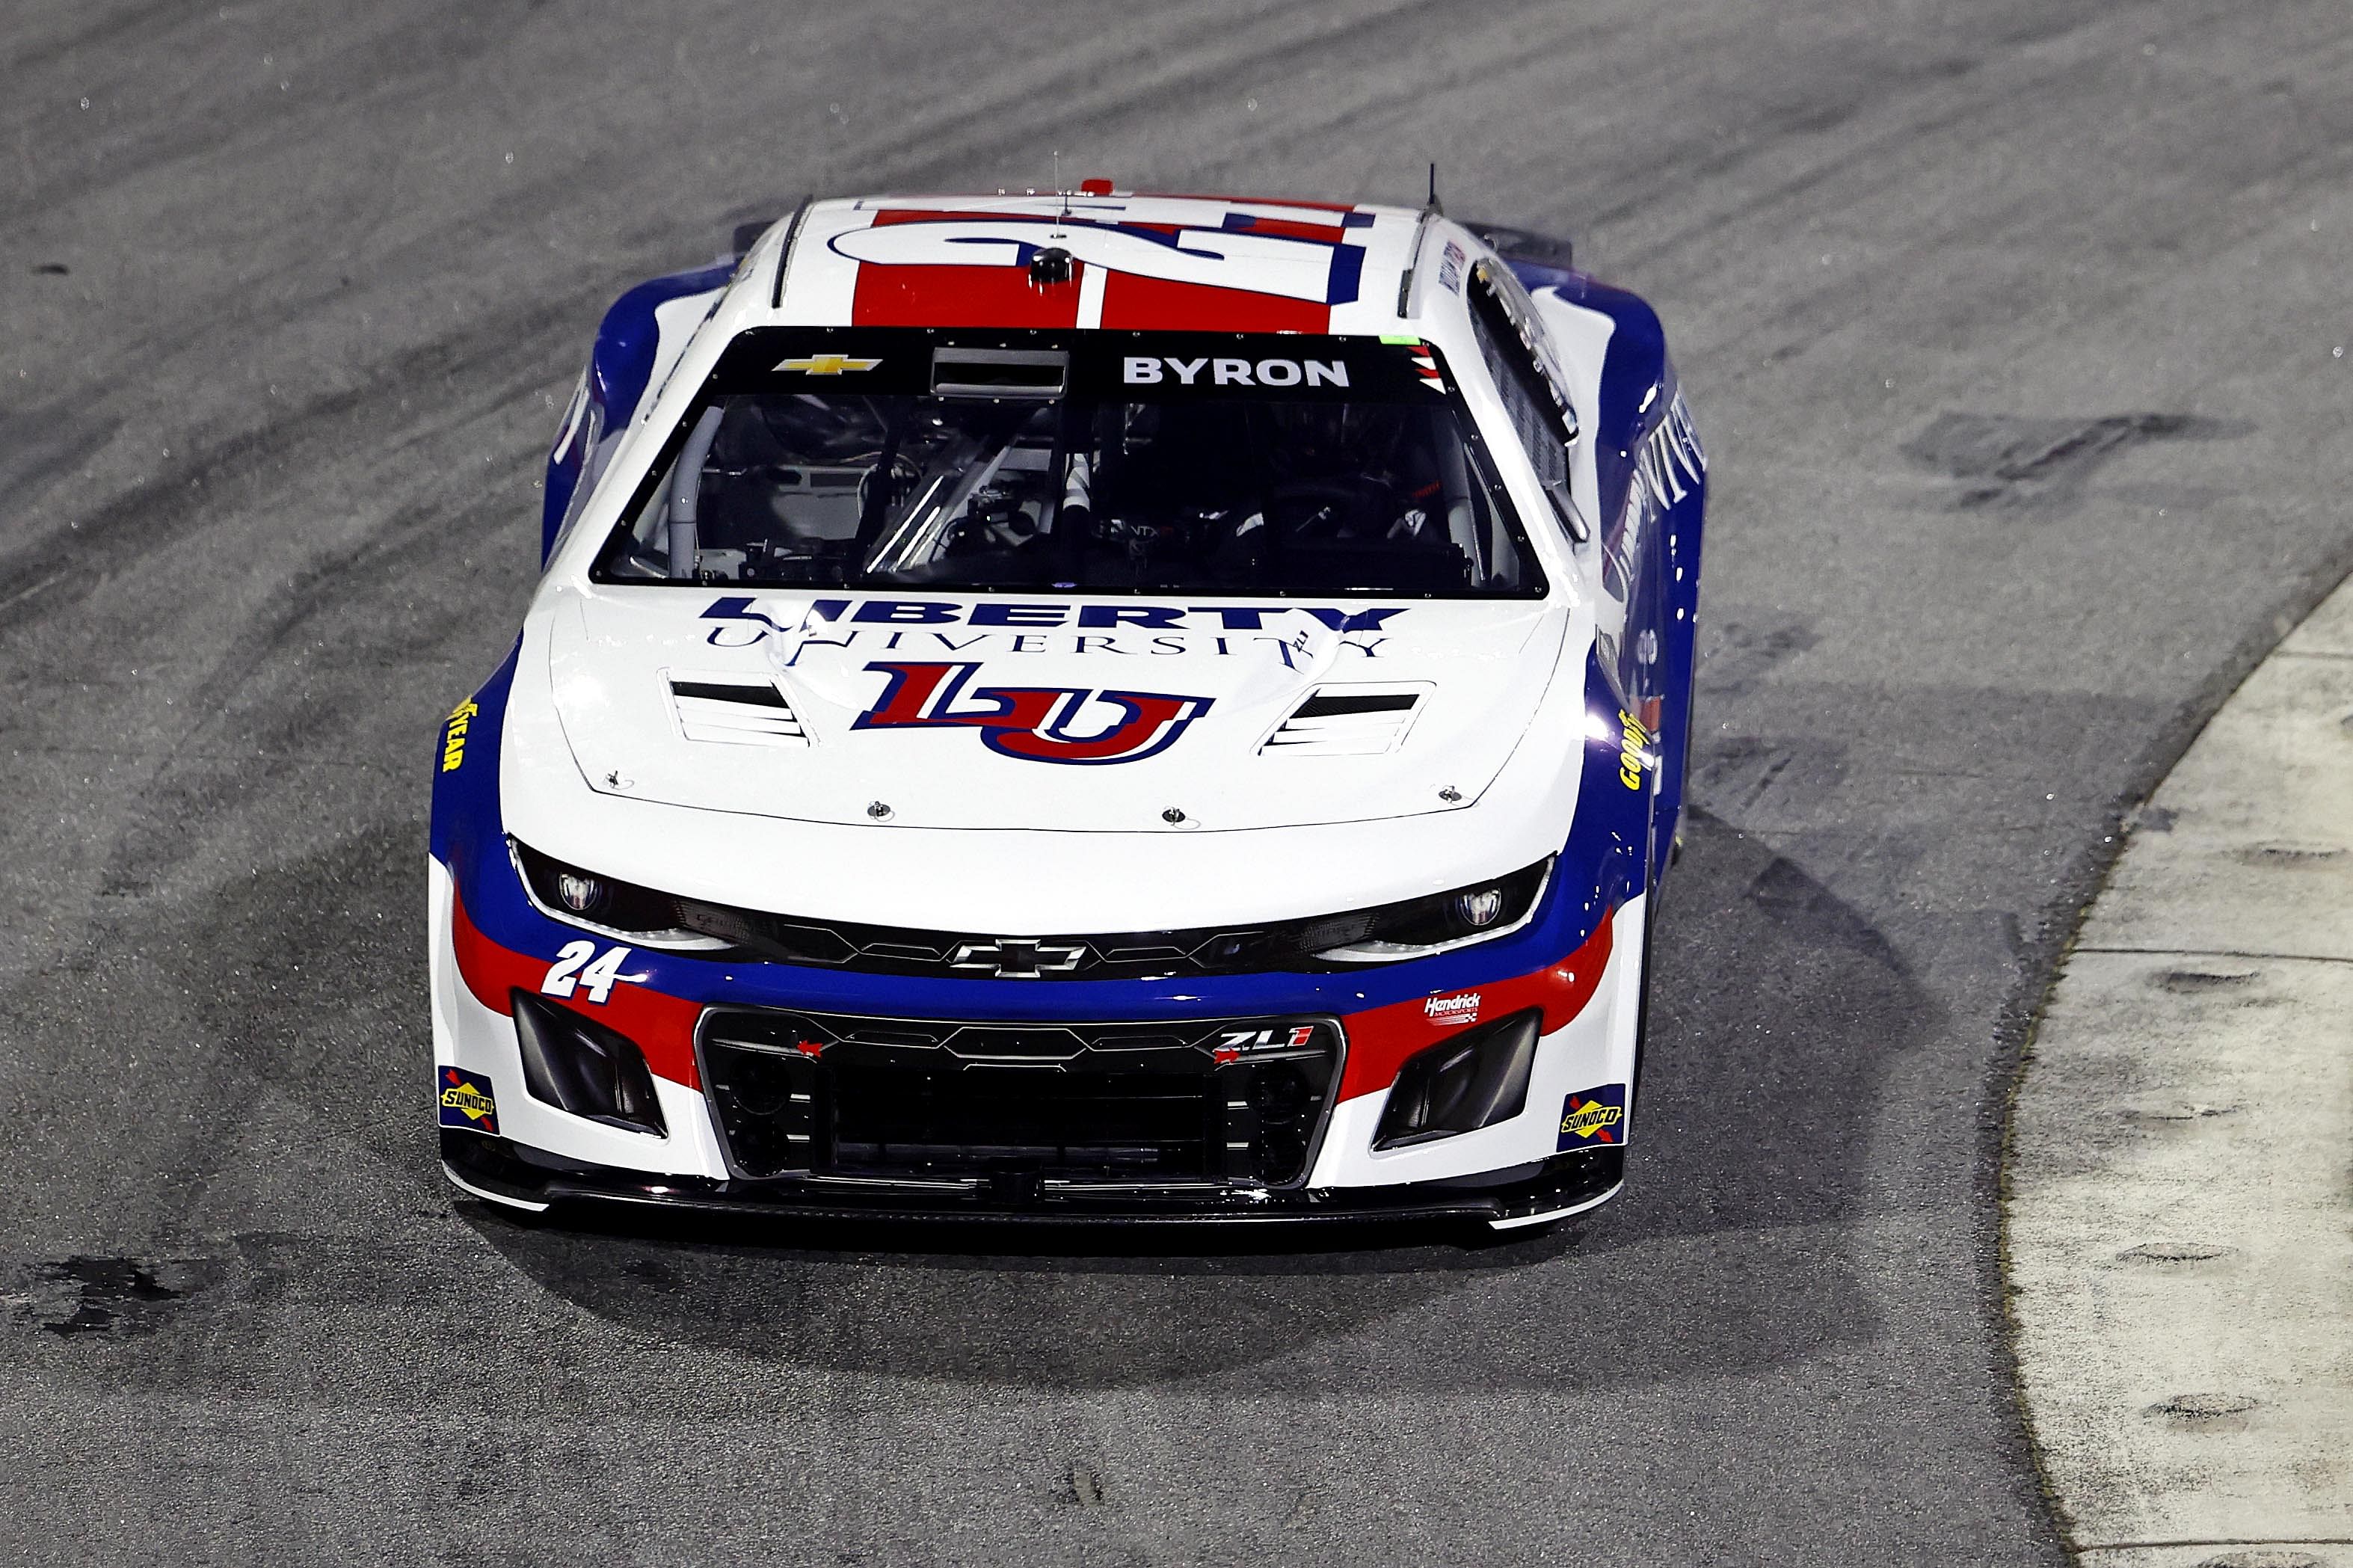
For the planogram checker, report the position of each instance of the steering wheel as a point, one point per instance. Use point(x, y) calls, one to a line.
point(1328, 508)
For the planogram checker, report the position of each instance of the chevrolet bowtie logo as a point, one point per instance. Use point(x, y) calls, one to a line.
point(826, 365)
point(1018, 958)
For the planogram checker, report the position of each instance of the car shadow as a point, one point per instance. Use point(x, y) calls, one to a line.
point(1776, 1010)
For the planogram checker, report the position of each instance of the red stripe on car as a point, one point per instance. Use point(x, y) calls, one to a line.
point(1153, 304)
point(661, 1025)
point(1380, 1039)
point(962, 296)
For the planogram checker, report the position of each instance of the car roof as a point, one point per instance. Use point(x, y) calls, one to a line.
point(1139, 261)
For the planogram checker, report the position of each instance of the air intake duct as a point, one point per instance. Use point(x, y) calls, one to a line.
point(582, 1067)
point(1460, 1085)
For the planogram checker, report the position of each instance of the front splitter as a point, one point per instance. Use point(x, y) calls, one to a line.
point(499, 1171)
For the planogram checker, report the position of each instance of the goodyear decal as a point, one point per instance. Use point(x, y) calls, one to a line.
point(453, 739)
point(1631, 753)
point(1594, 1116)
point(466, 1101)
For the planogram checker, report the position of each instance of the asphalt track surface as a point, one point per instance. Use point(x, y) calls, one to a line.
point(2010, 329)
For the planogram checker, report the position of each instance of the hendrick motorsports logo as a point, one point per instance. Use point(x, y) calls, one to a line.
point(1034, 723)
point(1462, 1008)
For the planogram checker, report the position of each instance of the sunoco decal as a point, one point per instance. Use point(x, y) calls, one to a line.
point(1594, 1116)
point(466, 1101)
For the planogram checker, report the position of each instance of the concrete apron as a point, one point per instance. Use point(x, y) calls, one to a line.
point(2178, 1208)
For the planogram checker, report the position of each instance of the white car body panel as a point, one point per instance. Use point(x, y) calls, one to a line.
point(601, 765)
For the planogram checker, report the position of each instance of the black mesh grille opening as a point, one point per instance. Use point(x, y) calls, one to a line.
point(1107, 1126)
point(812, 1095)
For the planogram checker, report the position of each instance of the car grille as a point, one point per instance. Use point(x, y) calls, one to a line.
point(1024, 1108)
point(1293, 946)
point(890, 950)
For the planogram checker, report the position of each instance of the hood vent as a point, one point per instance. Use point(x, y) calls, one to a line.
point(741, 709)
point(1351, 720)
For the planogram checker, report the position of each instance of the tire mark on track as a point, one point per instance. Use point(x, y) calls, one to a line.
point(124, 154)
point(152, 841)
point(191, 497)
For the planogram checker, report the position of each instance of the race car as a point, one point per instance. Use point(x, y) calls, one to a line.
point(1087, 705)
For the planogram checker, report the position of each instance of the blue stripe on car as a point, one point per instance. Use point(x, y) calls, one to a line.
point(1604, 862)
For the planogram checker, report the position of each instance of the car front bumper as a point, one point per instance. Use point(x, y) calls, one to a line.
point(531, 1154)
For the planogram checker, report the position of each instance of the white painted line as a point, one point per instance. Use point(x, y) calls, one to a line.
point(2302, 1552)
point(2178, 1217)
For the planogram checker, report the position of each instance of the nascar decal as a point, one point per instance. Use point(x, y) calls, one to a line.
point(1034, 723)
point(466, 1101)
point(1290, 264)
point(1594, 1116)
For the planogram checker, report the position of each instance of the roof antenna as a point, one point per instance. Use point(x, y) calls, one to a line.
point(1065, 194)
point(1433, 209)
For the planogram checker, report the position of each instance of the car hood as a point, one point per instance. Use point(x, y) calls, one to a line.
point(988, 712)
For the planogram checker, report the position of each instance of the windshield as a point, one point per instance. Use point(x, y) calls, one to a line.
point(1210, 463)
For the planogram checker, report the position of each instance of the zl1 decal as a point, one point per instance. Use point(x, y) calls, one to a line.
point(1033, 723)
point(1233, 1045)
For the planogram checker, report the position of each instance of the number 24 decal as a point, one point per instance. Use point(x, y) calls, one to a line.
point(597, 980)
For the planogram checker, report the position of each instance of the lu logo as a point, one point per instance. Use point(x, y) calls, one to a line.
point(1035, 723)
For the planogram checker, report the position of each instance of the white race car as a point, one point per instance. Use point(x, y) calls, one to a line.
point(1093, 706)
